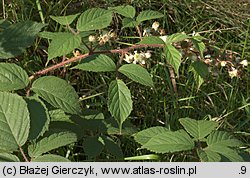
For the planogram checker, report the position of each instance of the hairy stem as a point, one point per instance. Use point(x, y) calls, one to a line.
point(23, 154)
point(80, 57)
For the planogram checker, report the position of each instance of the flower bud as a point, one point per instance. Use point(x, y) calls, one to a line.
point(92, 38)
point(155, 25)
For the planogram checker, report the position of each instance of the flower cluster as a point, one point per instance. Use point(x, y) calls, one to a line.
point(139, 58)
point(103, 38)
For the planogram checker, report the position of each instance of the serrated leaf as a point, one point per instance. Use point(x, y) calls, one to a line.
point(128, 22)
point(93, 146)
point(94, 19)
point(137, 73)
point(144, 136)
point(229, 153)
point(201, 68)
point(148, 15)
point(39, 117)
point(58, 93)
point(152, 40)
point(222, 138)
point(97, 63)
point(12, 77)
point(199, 45)
point(50, 158)
point(51, 142)
point(48, 35)
point(6, 157)
point(198, 128)
point(64, 20)
point(63, 43)
point(17, 37)
point(126, 11)
point(173, 57)
point(119, 101)
point(169, 142)
point(176, 37)
point(15, 122)
point(209, 156)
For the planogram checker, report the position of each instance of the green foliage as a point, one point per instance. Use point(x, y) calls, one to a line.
point(51, 142)
point(43, 116)
point(148, 15)
point(137, 74)
point(94, 19)
point(65, 20)
point(15, 122)
point(162, 140)
point(198, 129)
point(12, 77)
point(17, 37)
point(97, 63)
point(126, 11)
point(63, 43)
point(173, 57)
point(58, 93)
point(120, 102)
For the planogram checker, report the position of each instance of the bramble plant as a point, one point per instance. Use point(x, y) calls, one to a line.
point(41, 112)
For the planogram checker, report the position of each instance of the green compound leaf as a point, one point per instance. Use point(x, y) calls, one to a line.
point(12, 77)
point(222, 138)
point(169, 142)
point(120, 102)
point(51, 142)
point(17, 37)
point(173, 57)
point(208, 156)
point(97, 63)
point(144, 136)
point(63, 43)
point(126, 11)
point(148, 15)
point(94, 19)
point(137, 74)
point(14, 121)
point(198, 128)
point(50, 158)
point(152, 40)
point(39, 117)
point(64, 20)
point(176, 37)
point(58, 93)
point(6, 157)
point(128, 22)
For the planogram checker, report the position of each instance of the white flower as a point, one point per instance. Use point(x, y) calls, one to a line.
point(233, 72)
point(128, 58)
point(147, 55)
point(164, 38)
point(137, 56)
point(223, 63)
point(143, 62)
point(244, 63)
point(92, 38)
point(104, 38)
point(155, 25)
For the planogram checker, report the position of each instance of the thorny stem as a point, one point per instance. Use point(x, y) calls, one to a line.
point(80, 57)
point(23, 154)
